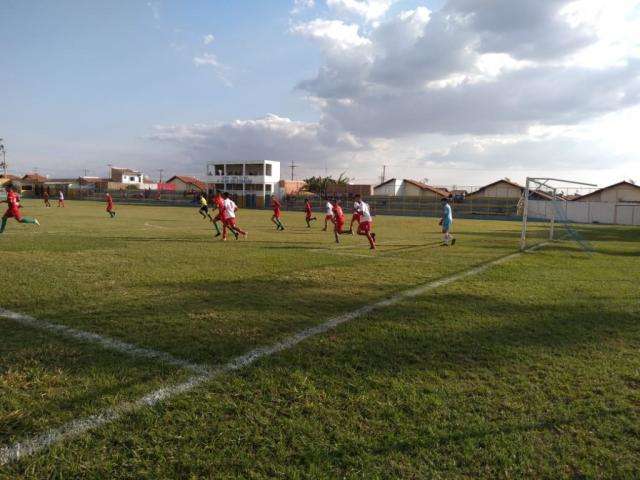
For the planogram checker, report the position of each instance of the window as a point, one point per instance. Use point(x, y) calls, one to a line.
point(268, 188)
point(267, 169)
point(132, 179)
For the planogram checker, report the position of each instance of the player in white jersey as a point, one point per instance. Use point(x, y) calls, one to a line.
point(366, 222)
point(230, 209)
point(328, 214)
point(356, 212)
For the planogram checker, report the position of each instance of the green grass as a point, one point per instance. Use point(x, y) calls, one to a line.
point(527, 370)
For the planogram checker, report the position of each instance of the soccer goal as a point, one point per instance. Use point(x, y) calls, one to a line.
point(546, 200)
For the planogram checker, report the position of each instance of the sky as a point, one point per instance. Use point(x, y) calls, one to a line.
point(452, 92)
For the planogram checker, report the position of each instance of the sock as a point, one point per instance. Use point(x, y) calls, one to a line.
point(28, 220)
point(4, 224)
point(215, 224)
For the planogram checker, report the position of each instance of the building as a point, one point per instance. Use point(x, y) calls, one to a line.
point(622, 192)
point(349, 190)
point(506, 189)
point(290, 187)
point(413, 188)
point(390, 188)
point(184, 183)
point(32, 184)
point(259, 178)
point(127, 176)
point(409, 188)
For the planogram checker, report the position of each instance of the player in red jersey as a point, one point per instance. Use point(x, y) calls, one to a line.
point(13, 210)
point(218, 201)
point(110, 208)
point(275, 218)
point(230, 208)
point(366, 222)
point(338, 221)
point(308, 212)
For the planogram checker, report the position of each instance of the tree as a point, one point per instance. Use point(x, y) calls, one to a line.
point(319, 185)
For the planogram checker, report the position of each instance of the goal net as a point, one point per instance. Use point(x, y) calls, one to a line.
point(544, 211)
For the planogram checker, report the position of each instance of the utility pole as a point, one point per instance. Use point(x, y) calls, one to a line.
point(383, 177)
point(292, 167)
point(161, 171)
point(4, 158)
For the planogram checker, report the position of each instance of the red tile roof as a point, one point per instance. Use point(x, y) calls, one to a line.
point(189, 181)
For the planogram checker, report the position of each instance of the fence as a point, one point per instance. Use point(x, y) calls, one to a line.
point(500, 208)
point(590, 212)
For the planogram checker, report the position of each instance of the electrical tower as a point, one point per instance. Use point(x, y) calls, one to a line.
point(293, 168)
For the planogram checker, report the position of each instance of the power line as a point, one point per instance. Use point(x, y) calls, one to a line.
point(293, 168)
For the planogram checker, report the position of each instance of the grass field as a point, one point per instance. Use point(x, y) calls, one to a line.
point(529, 368)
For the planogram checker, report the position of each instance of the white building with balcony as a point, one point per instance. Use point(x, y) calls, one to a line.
point(259, 178)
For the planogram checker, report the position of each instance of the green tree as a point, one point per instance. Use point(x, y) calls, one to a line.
point(319, 184)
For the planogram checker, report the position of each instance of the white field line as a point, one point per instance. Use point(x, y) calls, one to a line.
point(104, 342)
point(77, 427)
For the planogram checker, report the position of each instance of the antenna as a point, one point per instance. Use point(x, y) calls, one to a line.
point(3, 164)
point(292, 167)
point(383, 177)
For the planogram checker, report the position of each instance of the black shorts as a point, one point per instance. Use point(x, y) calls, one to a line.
point(204, 209)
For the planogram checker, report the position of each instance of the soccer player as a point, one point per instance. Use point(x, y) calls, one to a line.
point(356, 212)
point(308, 211)
point(445, 222)
point(230, 209)
point(328, 214)
point(110, 208)
point(218, 200)
point(338, 221)
point(204, 207)
point(60, 199)
point(365, 222)
point(275, 218)
point(45, 197)
point(13, 210)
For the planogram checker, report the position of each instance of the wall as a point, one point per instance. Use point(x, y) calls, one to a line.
point(589, 212)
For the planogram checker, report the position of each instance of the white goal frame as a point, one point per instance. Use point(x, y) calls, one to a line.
point(549, 184)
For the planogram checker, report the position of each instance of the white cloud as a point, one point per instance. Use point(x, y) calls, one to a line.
point(208, 39)
point(475, 90)
point(332, 33)
point(300, 5)
point(369, 10)
point(206, 59)
point(210, 60)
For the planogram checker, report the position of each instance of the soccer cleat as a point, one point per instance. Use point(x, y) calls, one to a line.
point(36, 221)
point(453, 241)
point(217, 235)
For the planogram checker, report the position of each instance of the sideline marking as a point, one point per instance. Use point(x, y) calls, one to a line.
point(105, 342)
point(30, 446)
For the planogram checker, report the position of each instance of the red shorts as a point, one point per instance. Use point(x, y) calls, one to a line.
point(339, 224)
point(356, 217)
point(219, 218)
point(110, 207)
point(328, 217)
point(276, 212)
point(230, 222)
point(308, 215)
point(13, 212)
point(364, 228)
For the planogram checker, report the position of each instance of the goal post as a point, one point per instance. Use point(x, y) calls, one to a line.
point(547, 189)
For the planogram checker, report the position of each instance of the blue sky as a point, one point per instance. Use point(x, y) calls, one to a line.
point(87, 83)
